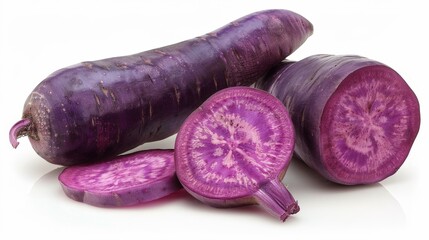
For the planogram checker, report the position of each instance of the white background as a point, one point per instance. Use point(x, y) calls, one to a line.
point(39, 37)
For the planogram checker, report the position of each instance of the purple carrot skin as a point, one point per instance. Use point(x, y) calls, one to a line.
point(96, 110)
point(235, 149)
point(126, 180)
point(355, 119)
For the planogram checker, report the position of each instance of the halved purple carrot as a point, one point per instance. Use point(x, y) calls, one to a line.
point(355, 118)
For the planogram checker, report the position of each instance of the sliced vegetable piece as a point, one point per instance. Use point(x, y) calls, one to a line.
point(235, 149)
point(127, 180)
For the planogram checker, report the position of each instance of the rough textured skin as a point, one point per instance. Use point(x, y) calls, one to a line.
point(355, 119)
point(126, 180)
point(234, 148)
point(96, 110)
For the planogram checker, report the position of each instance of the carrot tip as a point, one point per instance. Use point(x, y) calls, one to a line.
point(19, 129)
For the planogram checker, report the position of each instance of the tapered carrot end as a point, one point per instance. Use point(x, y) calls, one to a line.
point(18, 130)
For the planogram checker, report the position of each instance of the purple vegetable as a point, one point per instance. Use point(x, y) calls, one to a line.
point(235, 149)
point(127, 180)
point(355, 119)
point(96, 110)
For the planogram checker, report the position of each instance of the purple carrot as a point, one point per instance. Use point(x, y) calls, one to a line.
point(235, 149)
point(96, 110)
point(355, 119)
point(126, 180)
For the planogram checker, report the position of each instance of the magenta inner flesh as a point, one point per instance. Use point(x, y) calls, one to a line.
point(122, 173)
point(234, 143)
point(368, 126)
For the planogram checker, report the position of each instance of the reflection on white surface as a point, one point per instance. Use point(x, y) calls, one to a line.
point(325, 203)
point(47, 203)
point(328, 211)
